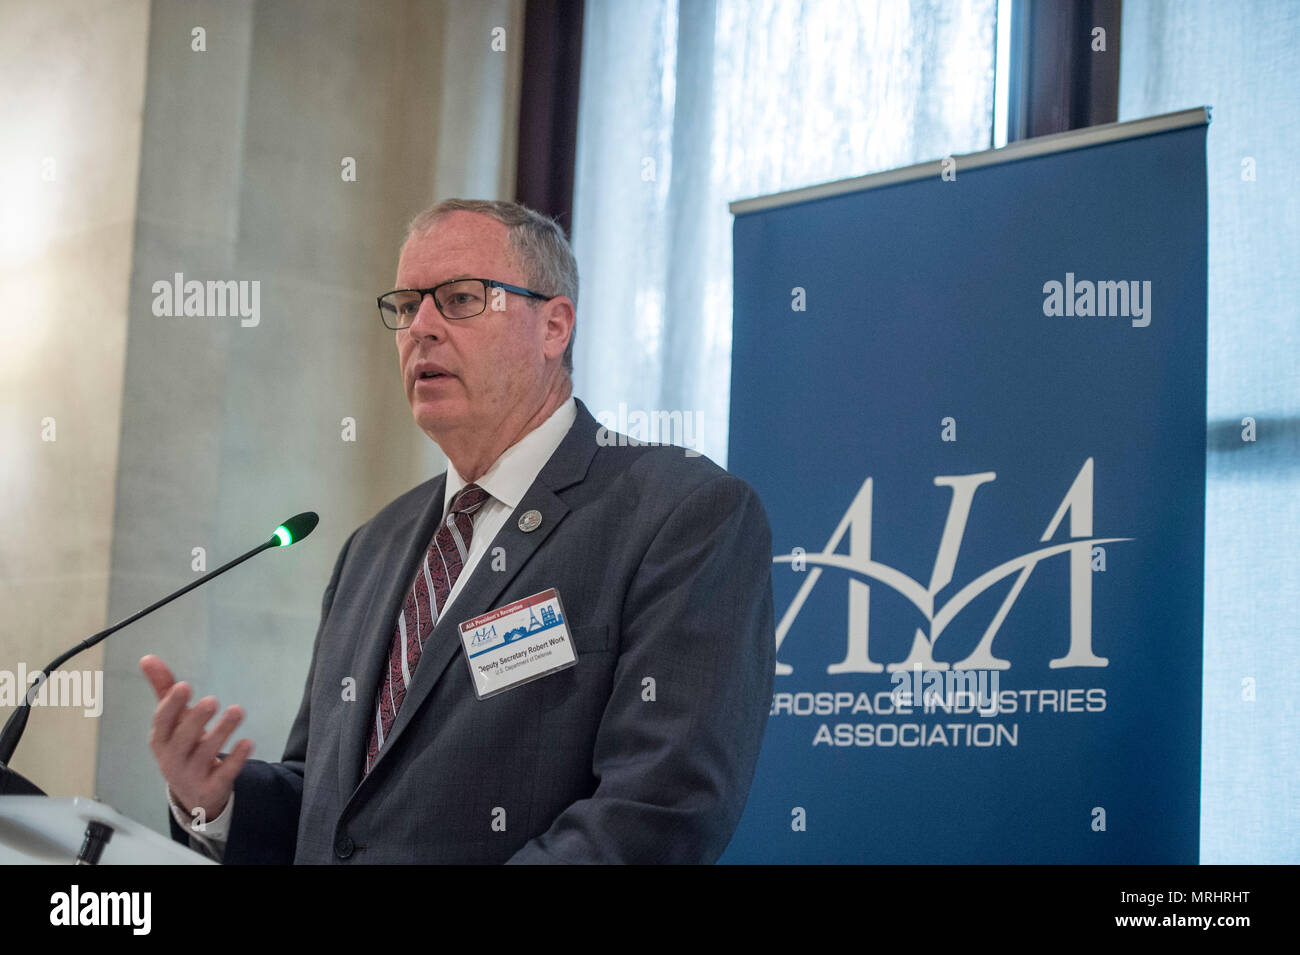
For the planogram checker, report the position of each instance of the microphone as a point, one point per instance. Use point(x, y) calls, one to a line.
point(290, 532)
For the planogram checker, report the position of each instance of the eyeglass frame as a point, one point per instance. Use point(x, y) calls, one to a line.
point(487, 283)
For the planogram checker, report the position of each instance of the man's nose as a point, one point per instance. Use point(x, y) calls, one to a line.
point(428, 321)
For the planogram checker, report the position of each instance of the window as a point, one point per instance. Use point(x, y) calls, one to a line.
point(687, 106)
point(1241, 60)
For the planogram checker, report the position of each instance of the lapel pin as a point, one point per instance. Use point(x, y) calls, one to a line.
point(530, 520)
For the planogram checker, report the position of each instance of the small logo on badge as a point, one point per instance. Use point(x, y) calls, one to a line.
point(530, 521)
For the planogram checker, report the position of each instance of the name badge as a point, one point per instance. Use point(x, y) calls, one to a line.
point(522, 641)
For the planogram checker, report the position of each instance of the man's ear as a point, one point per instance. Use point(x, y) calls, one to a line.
point(558, 316)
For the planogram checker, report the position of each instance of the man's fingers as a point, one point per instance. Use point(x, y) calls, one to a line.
point(224, 773)
point(185, 752)
point(166, 714)
point(159, 676)
point(210, 743)
point(190, 726)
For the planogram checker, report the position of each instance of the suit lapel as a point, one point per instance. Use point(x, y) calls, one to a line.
point(567, 466)
point(370, 658)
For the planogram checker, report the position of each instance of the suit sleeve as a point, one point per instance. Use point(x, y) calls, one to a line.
point(264, 825)
point(674, 766)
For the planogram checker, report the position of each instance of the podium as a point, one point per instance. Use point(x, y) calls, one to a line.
point(39, 830)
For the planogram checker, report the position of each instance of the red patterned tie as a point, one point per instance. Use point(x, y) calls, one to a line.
point(436, 576)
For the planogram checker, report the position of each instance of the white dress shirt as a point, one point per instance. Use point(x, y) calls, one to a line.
point(507, 480)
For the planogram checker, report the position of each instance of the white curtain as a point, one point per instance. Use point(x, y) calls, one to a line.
point(688, 105)
point(1242, 60)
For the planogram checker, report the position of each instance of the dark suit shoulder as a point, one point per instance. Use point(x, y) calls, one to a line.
point(663, 474)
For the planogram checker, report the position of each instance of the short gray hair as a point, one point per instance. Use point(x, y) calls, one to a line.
point(537, 240)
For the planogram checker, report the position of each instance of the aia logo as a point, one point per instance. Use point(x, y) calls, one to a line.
point(863, 570)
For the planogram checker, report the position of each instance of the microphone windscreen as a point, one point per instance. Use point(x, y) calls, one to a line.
point(297, 527)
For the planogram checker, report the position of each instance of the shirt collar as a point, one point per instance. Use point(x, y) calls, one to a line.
point(512, 474)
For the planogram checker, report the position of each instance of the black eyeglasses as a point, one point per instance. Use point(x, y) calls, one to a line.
point(457, 299)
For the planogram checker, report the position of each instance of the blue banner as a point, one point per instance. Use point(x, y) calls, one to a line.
point(974, 407)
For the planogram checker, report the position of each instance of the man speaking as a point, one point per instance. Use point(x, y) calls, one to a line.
point(559, 650)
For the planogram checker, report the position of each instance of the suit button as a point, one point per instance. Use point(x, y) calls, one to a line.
point(343, 846)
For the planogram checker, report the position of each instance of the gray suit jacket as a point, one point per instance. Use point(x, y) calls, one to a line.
point(642, 752)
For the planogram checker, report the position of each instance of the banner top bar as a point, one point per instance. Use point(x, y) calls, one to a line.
point(1021, 149)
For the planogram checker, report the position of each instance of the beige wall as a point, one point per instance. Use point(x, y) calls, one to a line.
point(72, 80)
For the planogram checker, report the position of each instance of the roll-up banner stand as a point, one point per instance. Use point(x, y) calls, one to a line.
point(971, 395)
